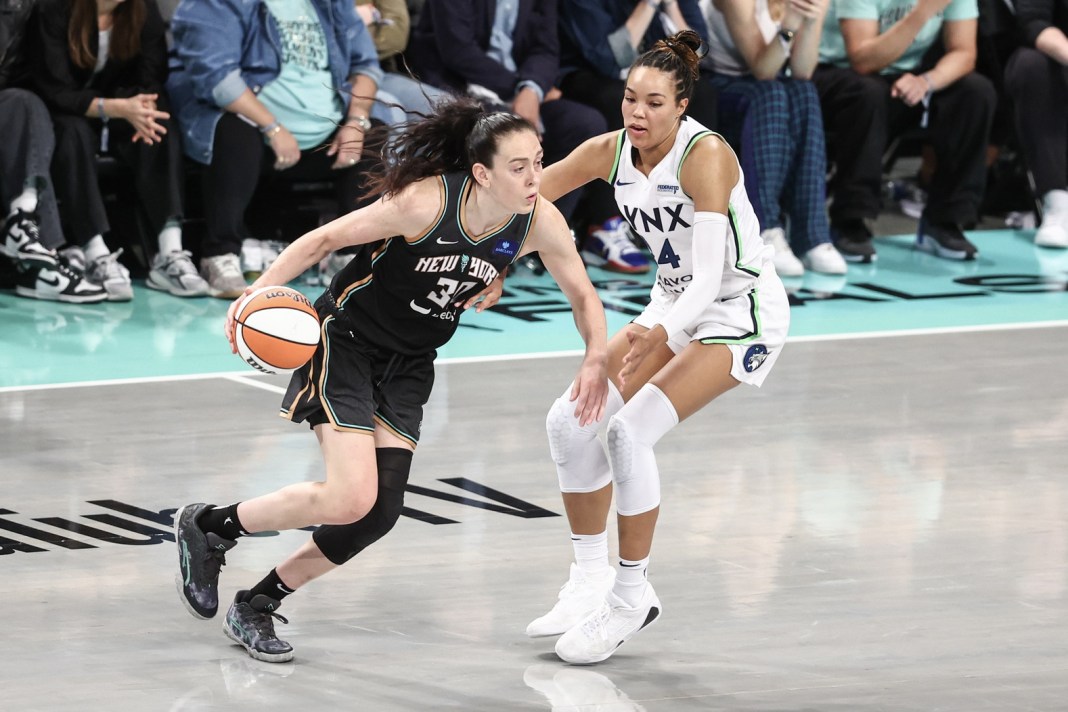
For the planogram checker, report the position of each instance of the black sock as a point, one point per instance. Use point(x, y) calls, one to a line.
point(271, 586)
point(222, 521)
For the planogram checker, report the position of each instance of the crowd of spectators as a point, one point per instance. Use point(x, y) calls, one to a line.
point(244, 98)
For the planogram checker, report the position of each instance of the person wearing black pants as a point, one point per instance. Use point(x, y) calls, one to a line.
point(867, 99)
point(1036, 78)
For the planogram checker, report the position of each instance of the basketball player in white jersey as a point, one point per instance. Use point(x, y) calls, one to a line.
point(718, 316)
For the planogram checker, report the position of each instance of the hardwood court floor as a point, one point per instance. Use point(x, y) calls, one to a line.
point(884, 526)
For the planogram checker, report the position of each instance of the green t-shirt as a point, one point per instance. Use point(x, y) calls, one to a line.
point(888, 13)
point(302, 97)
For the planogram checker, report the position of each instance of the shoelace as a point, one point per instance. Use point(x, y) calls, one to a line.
point(214, 560)
point(179, 262)
point(29, 227)
point(229, 267)
point(263, 622)
point(109, 265)
point(597, 622)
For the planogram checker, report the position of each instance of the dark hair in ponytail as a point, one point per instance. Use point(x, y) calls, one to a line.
point(680, 56)
point(458, 134)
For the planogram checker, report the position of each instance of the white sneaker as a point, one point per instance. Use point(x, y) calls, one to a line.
point(223, 275)
point(786, 262)
point(270, 249)
point(571, 688)
point(1053, 232)
point(610, 247)
point(251, 258)
point(602, 632)
point(174, 272)
point(825, 259)
point(110, 274)
point(59, 283)
point(581, 595)
point(331, 265)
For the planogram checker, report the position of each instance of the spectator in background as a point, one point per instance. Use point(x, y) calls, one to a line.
point(1036, 78)
point(100, 66)
point(775, 120)
point(876, 79)
point(505, 54)
point(390, 27)
point(31, 229)
point(599, 39)
point(268, 84)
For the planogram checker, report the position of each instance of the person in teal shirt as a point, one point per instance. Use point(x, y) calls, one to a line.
point(888, 67)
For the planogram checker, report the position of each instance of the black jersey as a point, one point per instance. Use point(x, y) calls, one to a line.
point(399, 293)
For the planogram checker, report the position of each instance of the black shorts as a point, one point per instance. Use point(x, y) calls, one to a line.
point(353, 385)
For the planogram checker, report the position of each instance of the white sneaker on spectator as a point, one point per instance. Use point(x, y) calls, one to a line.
point(786, 262)
point(1053, 232)
point(174, 272)
point(251, 258)
point(270, 249)
point(825, 259)
point(59, 283)
point(601, 633)
point(110, 274)
point(578, 597)
point(75, 257)
point(22, 241)
point(223, 275)
point(331, 265)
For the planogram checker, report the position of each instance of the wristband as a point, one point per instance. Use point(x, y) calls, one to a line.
point(271, 129)
point(104, 119)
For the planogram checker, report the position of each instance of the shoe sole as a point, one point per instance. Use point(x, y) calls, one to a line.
point(654, 615)
point(253, 653)
point(932, 247)
point(64, 298)
point(179, 580)
point(858, 259)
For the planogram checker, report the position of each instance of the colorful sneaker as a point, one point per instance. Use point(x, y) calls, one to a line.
point(223, 275)
point(786, 262)
point(601, 633)
point(823, 258)
point(174, 272)
point(200, 558)
point(610, 247)
point(580, 596)
point(944, 241)
point(22, 241)
point(109, 273)
point(853, 240)
point(59, 283)
point(250, 624)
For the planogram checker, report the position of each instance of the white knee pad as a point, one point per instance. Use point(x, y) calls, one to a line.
point(632, 432)
point(580, 461)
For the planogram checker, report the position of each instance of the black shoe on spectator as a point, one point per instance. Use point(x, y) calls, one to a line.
point(945, 240)
point(21, 241)
point(853, 240)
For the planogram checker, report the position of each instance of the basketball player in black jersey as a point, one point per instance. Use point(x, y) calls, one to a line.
point(458, 202)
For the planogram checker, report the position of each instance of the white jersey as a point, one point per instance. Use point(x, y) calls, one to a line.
point(658, 210)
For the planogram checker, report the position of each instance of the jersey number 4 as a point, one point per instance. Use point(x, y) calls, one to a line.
point(668, 256)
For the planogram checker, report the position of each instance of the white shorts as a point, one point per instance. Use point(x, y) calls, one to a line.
point(752, 325)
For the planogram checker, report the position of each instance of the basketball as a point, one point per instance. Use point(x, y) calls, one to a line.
point(276, 329)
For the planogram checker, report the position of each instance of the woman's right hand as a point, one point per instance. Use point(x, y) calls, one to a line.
point(228, 328)
point(141, 112)
point(286, 150)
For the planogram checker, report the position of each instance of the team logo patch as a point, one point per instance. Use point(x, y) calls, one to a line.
point(754, 357)
point(506, 247)
point(667, 188)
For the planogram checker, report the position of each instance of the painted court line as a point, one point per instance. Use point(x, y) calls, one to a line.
point(246, 378)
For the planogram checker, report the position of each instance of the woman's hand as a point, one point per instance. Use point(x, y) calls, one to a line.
point(641, 345)
point(286, 150)
point(347, 146)
point(141, 112)
point(487, 297)
point(228, 328)
point(590, 391)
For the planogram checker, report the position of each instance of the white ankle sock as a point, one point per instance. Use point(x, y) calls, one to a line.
point(170, 237)
point(631, 580)
point(95, 249)
point(26, 201)
point(591, 551)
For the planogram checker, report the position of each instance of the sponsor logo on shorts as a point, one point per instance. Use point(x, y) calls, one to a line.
point(754, 357)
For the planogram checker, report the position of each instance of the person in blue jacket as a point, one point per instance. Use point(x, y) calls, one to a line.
point(260, 85)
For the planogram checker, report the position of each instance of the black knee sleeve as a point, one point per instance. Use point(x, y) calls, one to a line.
point(341, 542)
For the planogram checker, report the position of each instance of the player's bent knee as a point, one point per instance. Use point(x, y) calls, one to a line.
point(559, 425)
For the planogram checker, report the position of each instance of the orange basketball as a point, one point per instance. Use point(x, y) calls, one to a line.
point(277, 329)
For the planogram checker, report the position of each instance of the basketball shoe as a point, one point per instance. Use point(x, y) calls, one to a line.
point(200, 558)
point(1053, 232)
point(250, 624)
point(609, 247)
point(945, 240)
point(601, 633)
point(21, 241)
point(581, 594)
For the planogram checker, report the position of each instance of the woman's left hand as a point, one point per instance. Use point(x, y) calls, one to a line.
point(347, 146)
point(641, 345)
